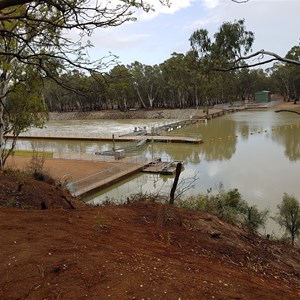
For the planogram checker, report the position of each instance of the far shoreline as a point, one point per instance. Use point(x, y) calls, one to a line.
point(156, 113)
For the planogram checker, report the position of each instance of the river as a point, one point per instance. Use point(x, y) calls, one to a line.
point(257, 152)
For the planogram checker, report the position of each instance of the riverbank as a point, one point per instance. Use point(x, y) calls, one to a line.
point(288, 106)
point(143, 250)
point(179, 114)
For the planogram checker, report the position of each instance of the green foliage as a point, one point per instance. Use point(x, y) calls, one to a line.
point(119, 86)
point(228, 206)
point(288, 216)
point(230, 42)
point(24, 109)
point(254, 219)
point(27, 153)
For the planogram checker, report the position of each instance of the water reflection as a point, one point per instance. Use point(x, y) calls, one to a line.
point(256, 152)
point(289, 136)
point(251, 151)
point(63, 146)
point(219, 136)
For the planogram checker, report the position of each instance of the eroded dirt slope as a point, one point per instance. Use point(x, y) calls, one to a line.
point(143, 250)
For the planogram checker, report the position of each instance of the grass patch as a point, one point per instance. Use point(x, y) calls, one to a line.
point(30, 153)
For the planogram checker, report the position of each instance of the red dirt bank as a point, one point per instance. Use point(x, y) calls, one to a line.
point(139, 251)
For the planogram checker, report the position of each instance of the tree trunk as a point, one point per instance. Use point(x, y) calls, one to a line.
point(1, 136)
point(293, 239)
point(139, 95)
point(177, 174)
point(3, 91)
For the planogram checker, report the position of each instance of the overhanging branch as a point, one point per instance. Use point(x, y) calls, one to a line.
point(240, 1)
point(262, 60)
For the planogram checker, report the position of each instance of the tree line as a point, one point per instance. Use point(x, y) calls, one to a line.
point(178, 82)
point(194, 79)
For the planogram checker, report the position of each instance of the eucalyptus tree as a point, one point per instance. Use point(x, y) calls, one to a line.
point(54, 96)
point(280, 77)
point(177, 78)
point(120, 92)
point(197, 84)
point(97, 92)
point(137, 72)
point(83, 92)
point(37, 33)
point(230, 42)
point(147, 81)
point(249, 81)
point(294, 70)
point(286, 76)
point(12, 72)
point(154, 83)
point(76, 96)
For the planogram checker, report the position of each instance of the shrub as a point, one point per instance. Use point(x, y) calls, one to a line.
point(254, 219)
point(228, 206)
point(36, 169)
point(288, 216)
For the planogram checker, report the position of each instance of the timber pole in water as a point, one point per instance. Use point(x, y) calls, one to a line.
point(177, 174)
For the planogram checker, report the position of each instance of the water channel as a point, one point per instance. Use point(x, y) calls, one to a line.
point(257, 152)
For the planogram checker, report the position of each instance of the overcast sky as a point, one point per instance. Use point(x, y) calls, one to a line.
point(155, 35)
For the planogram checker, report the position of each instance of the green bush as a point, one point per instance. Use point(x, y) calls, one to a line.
point(288, 216)
point(228, 206)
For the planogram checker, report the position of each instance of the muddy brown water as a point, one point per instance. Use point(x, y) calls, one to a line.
point(257, 152)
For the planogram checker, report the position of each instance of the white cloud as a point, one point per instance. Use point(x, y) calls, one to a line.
point(213, 169)
point(275, 23)
point(175, 6)
point(211, 4)
point(204, 22)
point(116, 40)
point(156, 35)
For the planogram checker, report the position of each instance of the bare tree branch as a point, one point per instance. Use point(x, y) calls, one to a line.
point(260, 58)
point(286, 110)
point(240, 1)
point(10, 3)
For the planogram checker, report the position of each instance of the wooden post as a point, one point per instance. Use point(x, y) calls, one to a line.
point(177, 174)
point(113, 140)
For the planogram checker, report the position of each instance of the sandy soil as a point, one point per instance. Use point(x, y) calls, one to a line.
point(57, 168)
point(287, 105)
